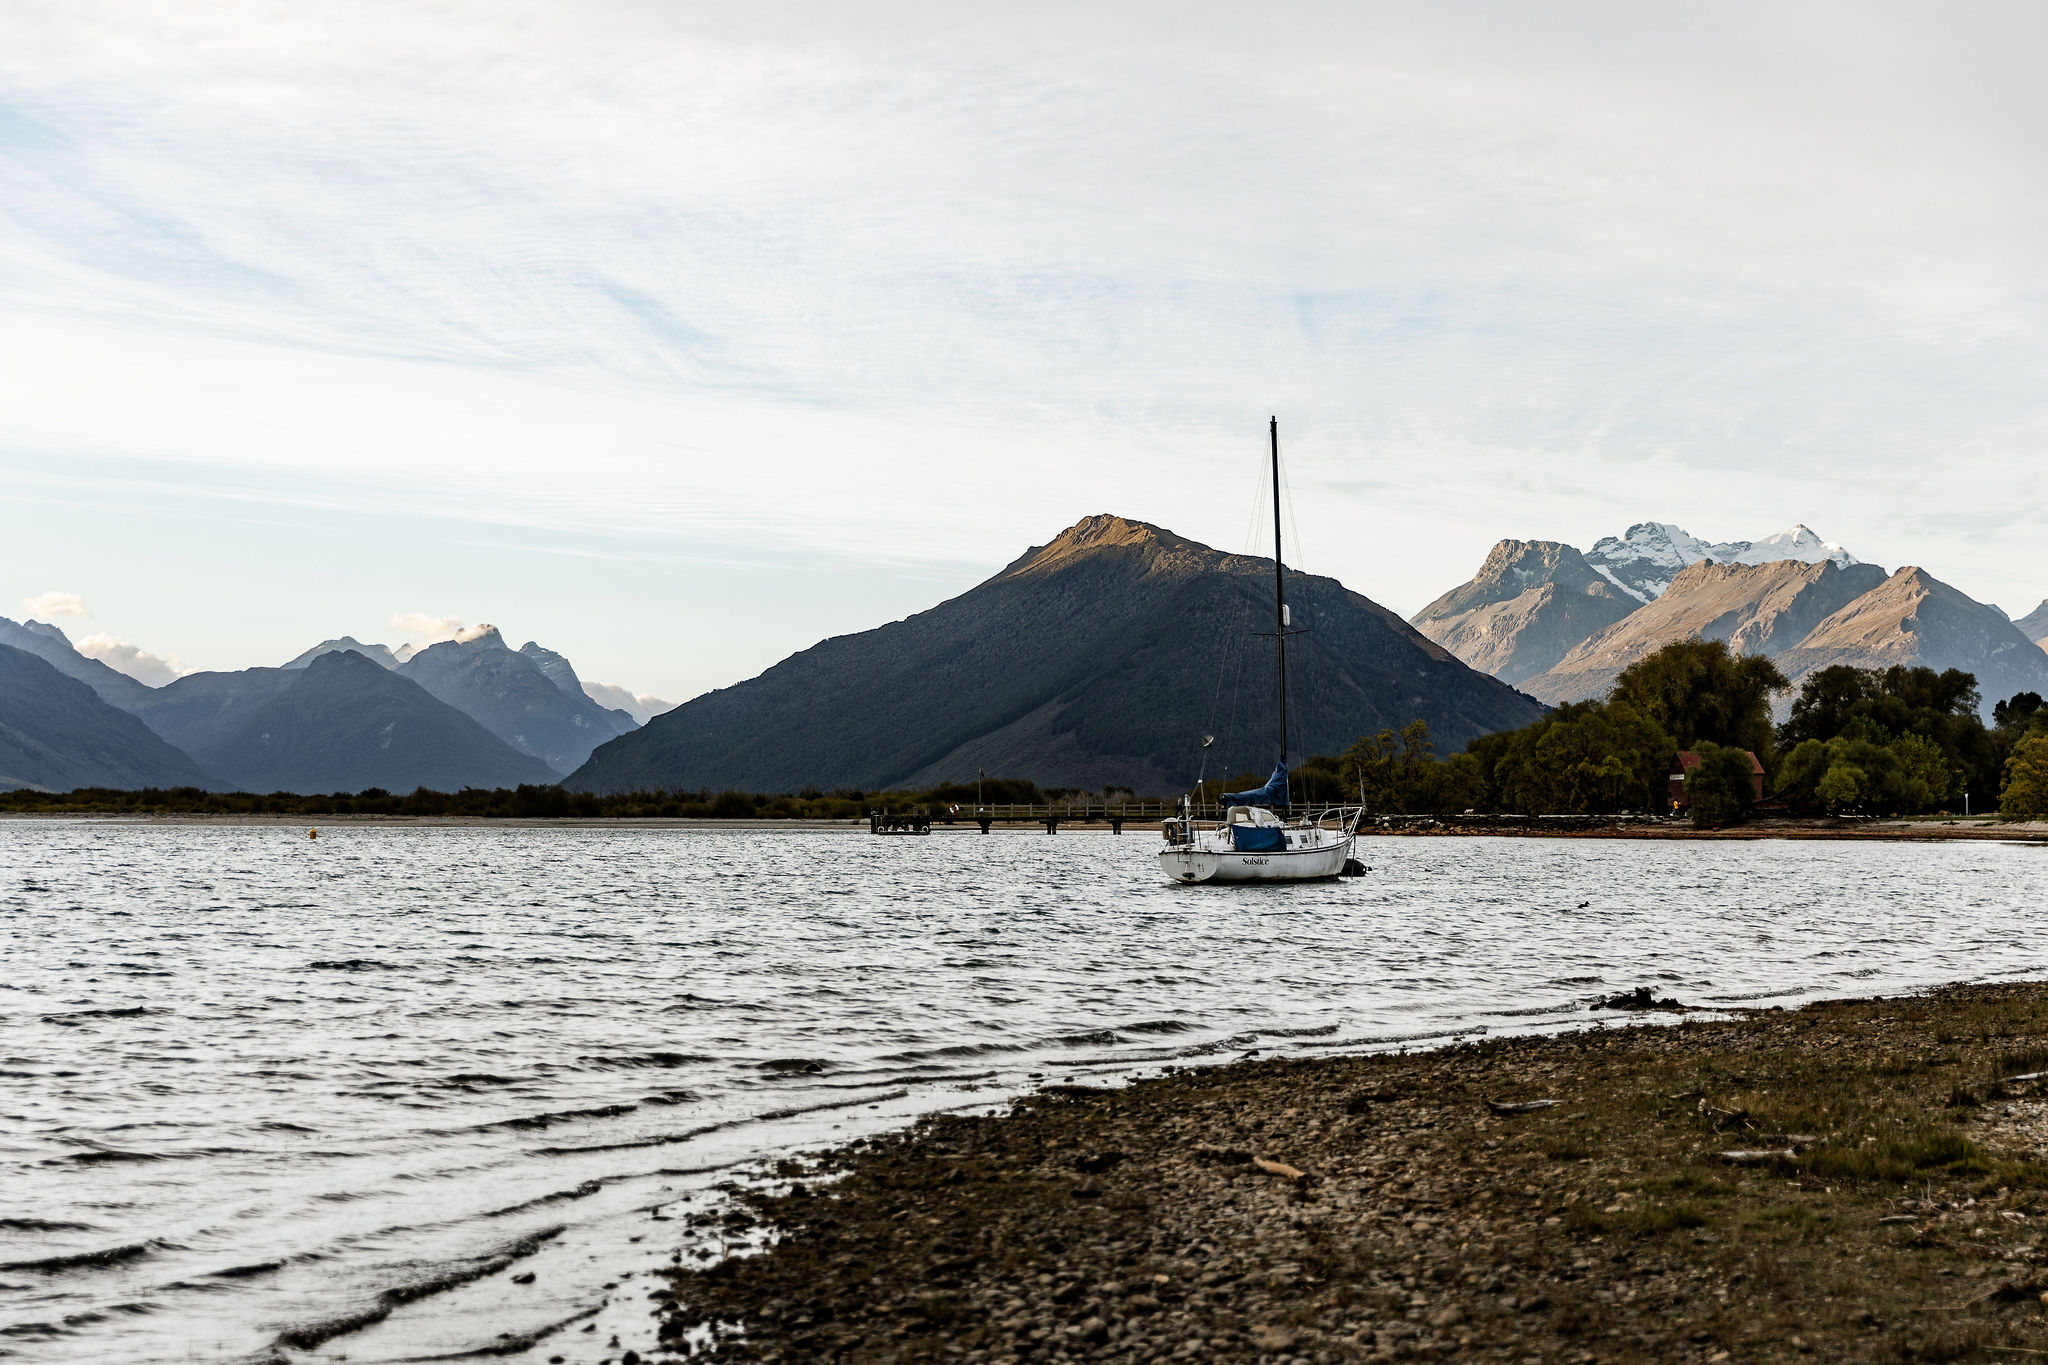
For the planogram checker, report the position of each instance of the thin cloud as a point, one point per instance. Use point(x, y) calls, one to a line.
point(957, 281)
point(641, 706)
point(423, 628)
point(55, 604)
point(137, 663)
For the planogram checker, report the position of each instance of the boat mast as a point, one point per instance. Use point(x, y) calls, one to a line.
point(1279, 592)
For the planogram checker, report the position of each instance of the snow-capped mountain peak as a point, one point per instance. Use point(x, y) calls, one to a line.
point(1643, 562)
point(1799, 543)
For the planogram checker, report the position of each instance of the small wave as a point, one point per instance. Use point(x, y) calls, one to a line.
point(102, 1156)
point(1453, 1032)
point(663, 1140)
point(633, 1060)
point(1568, 1008)
point(583, 1191)
point(1237, 1042)
point(41, 1331)
point(122, 1012)
point(1351, 1042)
point(1101, 1037)
point(89, 1260)
point(280, 1126)
point(42, 1225)
point(671, 1139)
point(954, 1050)
point(245, 1272)
point(687, 1003)
point(312, 1334)
point(540, 1121)
point(1159, 1026)
point(1320, 1031)
point(354, 964)
point(478, 1078)
point(792, 1066)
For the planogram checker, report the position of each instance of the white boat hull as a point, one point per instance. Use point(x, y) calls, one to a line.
point(1194, 864)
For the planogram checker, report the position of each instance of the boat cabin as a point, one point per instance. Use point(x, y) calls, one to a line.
point(1255, 829)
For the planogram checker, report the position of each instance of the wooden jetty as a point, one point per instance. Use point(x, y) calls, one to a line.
point(1046, 816)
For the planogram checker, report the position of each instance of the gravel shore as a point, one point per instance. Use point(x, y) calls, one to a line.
point(1853, 1181)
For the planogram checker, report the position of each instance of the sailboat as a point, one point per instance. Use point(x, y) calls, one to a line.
point(1259, 838)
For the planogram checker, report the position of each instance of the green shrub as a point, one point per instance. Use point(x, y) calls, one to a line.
point(2025, 794)
point(1719, 791)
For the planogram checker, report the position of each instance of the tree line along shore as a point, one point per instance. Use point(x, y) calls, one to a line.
point(1856, 1180)
point(1855, 743)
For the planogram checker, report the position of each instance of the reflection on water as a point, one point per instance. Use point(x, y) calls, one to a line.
point(274, 1098)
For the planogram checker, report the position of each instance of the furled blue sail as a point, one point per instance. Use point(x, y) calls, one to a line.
point(1274, 793)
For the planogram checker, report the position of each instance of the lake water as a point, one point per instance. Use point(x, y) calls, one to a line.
point(266, 1098)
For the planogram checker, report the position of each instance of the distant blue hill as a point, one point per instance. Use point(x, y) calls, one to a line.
point(341, 723)
point(56, 734)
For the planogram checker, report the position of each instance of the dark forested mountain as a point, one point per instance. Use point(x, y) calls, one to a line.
point(1099, 659)
point(1528, 605)
point(52, 646)
point(56, 734)
point(517, 697)
point(341, 723)
point(1757, 608)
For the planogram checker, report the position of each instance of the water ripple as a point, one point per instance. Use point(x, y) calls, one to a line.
point(382, 1072)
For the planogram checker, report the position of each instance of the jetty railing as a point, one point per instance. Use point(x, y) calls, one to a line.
point(1048, 815)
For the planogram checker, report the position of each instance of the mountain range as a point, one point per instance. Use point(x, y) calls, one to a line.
point(341, 716)
point(1644, 562)
point(1561, 625)
point(342, 723)
point(1098, 659)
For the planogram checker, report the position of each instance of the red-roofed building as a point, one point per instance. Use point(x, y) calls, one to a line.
point(1688, 760)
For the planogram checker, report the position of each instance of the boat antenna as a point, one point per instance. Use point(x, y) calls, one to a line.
point(1279, 591)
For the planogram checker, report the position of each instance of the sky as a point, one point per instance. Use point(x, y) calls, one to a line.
point(681, 336)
